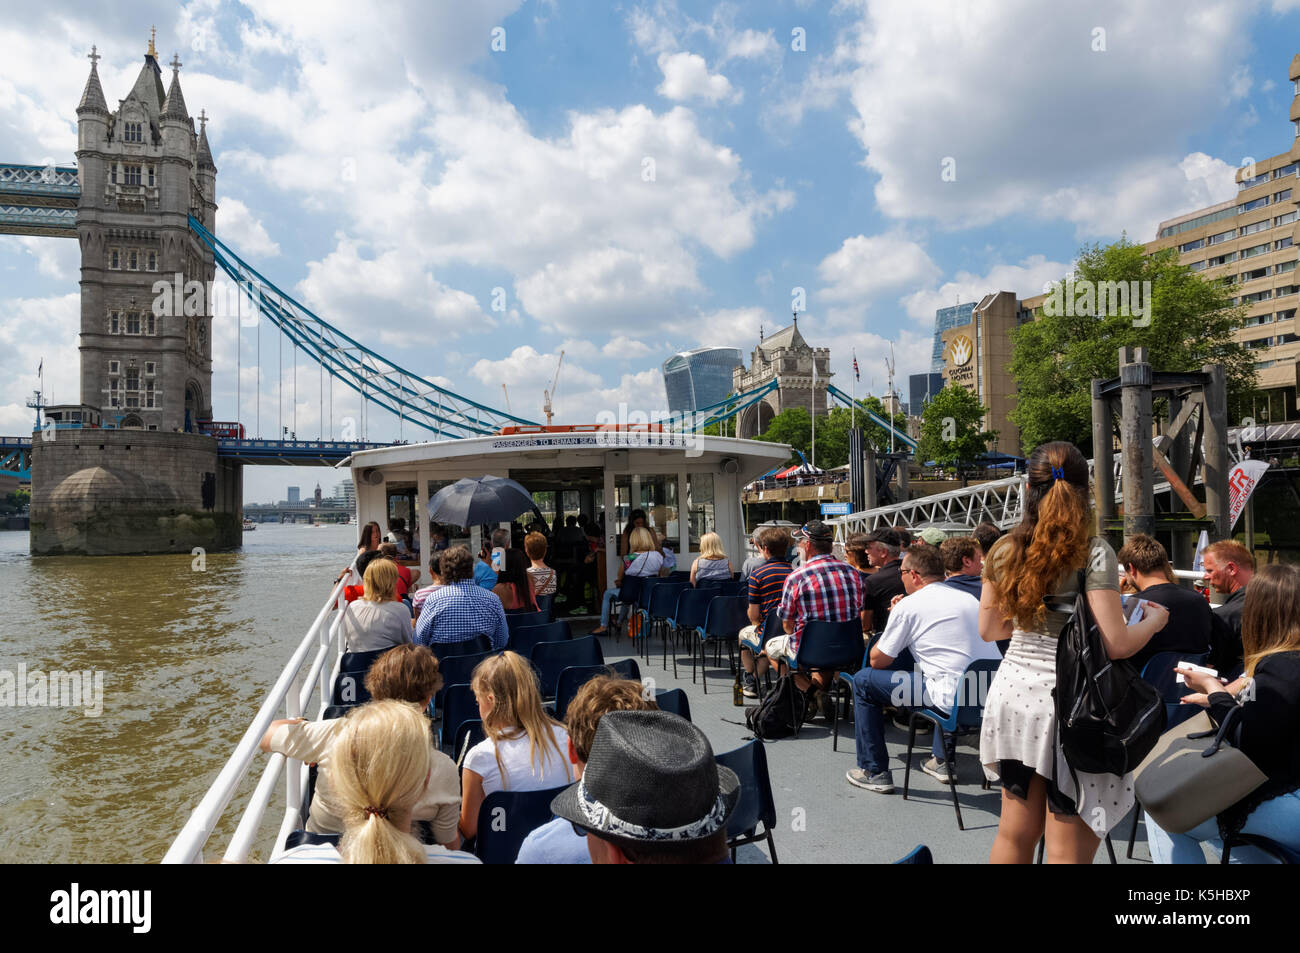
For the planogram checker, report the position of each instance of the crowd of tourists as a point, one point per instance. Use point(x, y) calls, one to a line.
point(930, 606)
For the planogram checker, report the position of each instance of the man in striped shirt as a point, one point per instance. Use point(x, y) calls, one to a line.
point(824, 588)
point(766, 584)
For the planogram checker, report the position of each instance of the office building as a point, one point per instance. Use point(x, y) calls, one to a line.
point(295, 494)
point(920, 388)
point(699, 377)
point(1250, 241)
point(945, 319)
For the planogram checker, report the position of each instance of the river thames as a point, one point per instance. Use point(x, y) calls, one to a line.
point(186, 649)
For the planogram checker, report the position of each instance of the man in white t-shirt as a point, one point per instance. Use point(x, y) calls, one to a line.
point(938, 626)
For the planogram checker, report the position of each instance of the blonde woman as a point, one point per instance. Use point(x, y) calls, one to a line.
point(377, 620)
point(1041, 558)
point(380, 767)
point(643, 559)
point(712, 562)
point(525, 750)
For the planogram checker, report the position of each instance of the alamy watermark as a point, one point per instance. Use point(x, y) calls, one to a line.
point(58, 689)
point(1099, 299)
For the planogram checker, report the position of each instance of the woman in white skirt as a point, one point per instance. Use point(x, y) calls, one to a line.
point(1018, 745)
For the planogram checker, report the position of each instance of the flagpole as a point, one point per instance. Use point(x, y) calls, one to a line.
point(853, 414)
point(814, 411)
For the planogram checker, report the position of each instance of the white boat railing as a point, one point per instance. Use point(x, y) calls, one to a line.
point(288, 698)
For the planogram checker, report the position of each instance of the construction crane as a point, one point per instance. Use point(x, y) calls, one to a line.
point(507, 393)
point(548, 394)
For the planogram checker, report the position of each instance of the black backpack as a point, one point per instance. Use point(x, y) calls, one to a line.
point(779, 711)
point(1107, 718)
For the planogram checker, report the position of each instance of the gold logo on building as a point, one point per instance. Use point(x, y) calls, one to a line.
point(960, 350)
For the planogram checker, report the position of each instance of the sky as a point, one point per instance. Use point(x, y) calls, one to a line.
point(470, 188)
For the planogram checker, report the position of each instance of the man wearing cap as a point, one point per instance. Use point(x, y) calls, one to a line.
point(883, 547)
point(823, 589)
point(651, 793)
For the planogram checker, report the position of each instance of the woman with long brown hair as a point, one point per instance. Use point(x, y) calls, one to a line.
point(1269, 696)
point(514, 586)
point(1040, 560)
point(525, 750)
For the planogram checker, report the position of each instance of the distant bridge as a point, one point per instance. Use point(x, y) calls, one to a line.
point(16, 452)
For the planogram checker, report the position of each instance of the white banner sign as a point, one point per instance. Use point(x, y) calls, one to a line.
point(1243, 479)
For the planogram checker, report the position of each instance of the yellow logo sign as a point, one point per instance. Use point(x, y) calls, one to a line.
point(960, 350)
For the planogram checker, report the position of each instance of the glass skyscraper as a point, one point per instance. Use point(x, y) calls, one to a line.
point(699, 377)
point(945, 319)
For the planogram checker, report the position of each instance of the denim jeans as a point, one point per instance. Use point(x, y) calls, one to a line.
point(872, 689)
point(1277, 819)
point(606, 604)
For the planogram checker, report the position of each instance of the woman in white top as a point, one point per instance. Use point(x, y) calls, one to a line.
point(524, 751)
point(644, 559)
point(377, 620)
point(712, 563)
point(381, 764)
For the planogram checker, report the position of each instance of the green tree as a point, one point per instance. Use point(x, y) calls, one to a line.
point(951, 433)
point(792, 426)
point(1189, 323)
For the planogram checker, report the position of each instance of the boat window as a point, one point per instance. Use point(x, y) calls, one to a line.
point(656, 495)
point(699, 506)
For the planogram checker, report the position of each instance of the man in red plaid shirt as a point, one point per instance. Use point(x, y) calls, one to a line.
point(824, 588)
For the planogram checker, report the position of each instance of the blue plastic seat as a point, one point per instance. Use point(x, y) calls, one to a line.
point(467, 735)
point(475, 646)
point(692, 610)
point(722, 624)
point(575, 676)
point(546, 605)
point(456, 670)
point(349, 689)
point(966, 714)
point(337, 711)
point(756, 805)
point(829, 647)
point(659, 610)
point(359, 661)
point(518, 620)
point(920, 855)
point(458, 706)
point(551, 658)
point(629, 593)
point(298, 838)
point(501, 835)
point(522, 640)
point(673, 700)
point(1278, 852)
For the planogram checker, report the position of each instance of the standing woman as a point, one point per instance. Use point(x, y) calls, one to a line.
point(1042, 557)
point(514, 586)
point(524, 751)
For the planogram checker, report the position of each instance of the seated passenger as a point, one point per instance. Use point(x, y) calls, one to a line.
point(514, 586)
point(525, 750)
point(406, 577)
point(1191, 619)
point(556, 842)
point(542, 575)
point(765, 584)
point(377, 620)
point(461, 609)
point(435, 582)
point(408, 673)
point(644, 559)
point(381, 764)
point(651, 793)
point(712, 562)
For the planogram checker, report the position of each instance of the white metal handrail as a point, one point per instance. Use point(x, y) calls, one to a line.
point(293, 693)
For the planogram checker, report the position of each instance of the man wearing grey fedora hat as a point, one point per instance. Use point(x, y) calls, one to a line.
point(651, 793)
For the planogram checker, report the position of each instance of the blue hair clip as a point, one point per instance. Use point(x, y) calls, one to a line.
point(1058, 473)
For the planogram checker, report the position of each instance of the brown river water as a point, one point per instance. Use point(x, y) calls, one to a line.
point(185, 657)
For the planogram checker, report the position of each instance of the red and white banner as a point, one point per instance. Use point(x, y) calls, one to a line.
point(1243, 479)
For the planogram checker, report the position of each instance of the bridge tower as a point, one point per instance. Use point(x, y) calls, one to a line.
point(145, 363)
point(137, 476)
